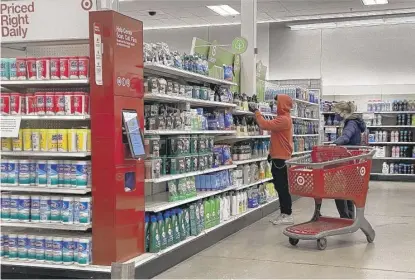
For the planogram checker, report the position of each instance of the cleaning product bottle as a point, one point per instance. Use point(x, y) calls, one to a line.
point(222, 208)
point(385, 168)
point(168, 228)
point(202, 215)
point(193, 220)
point(234, 204)
point(212, 211)
point(217, 207)
point(147, 232)
point(207, 213)
point(186, 219)
point(182, 223)
point(154, 235)
point(175, 224)
point(162, 231)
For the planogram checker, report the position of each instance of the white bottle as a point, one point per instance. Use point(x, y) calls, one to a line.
point(397, 151)
point(384, 136)
point(393, 151)
point(234, 205)
point(391, 167)
point(377, 136)
point(385, 168)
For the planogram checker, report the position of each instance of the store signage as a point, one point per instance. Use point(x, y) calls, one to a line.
point(45, 20)
point(9, 127)
point(239, 45)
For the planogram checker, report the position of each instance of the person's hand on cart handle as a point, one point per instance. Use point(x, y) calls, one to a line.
point(252, 107)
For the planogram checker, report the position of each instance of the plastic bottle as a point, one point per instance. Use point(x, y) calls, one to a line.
point(186, 218)
point(218, 211)
point(154, 235)
point(391, 168)
point(147, 233)
point(207, 213)
point(175, 224)
point(162, 231)
point(182, 224)
point(168, 228)
point(213, 212)
point(385, 168)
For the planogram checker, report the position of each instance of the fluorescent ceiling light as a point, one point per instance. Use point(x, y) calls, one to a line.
point(224, 10)
point(375, 2)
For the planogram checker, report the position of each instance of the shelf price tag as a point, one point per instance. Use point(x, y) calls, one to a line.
point(10, 125)
point(368, 116)
point(330, 129)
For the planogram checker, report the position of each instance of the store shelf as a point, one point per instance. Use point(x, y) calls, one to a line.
point(44, 154)
point(58, 118)
point(237, 138)
point(181, 132)
point(402, 175)
point(239, 162)
point(35, 189)
point(391, 126)
point(391, 143)
point(57, 226)
point(328, 142)
point(159, 202)
point(242, 112)
point(300, 153)
point(193, 102)
point(166, 178)
point(392, 112)
point(332, 126)
point(44, 83)
point(394, 158)
point(254, 184)
point(41, 264)
point(328, 113)
point(163, 70)
point(306, 102)
point(305, 135)
point(305, 119)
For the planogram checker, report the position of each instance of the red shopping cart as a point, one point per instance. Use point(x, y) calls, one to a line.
point(336, 172)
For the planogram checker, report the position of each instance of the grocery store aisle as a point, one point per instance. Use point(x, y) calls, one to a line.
point(262, 251)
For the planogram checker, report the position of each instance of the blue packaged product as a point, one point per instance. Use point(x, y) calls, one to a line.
point(67, 212)
point(84, 251)
point(12, 69)
point(55, 209)
point(81, 168)
point(44, 208)
point(48, 249)
point(228, 120)
point(68, 247)
point(52, 174)
point(24, 172)
point(76, 210)
point(73, 175)
point(22, 246)
point(5, 206)
point(61, 173)
point(35, 208)
point(31, 252)
point(14, 207)
point(4, 245)
point(228, 72)
point(23, 208)
point(85, 210)
point(33, 173)
point(227, 156)
point(12, 245)
point(67, 169)
point(5, 69)
point(57, 249)
point(75, 249)
point(41, 170)
point(12, 172)
point(4, 172)
point(40, 248)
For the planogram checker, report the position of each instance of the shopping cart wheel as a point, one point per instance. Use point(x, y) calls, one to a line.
point(321, 243)
point(293, 241)
point(370, 239)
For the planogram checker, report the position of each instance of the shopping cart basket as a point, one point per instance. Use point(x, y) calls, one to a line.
point(336, 172)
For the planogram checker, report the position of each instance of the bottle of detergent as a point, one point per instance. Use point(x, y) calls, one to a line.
point(154, 235)
point(162, 231)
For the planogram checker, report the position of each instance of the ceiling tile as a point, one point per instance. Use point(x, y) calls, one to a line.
point(216, 19)
point(271, 6)
point(263, 16)
point(193, 20)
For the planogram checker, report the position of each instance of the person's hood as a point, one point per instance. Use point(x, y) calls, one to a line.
point(284, 104)
point(358, 120)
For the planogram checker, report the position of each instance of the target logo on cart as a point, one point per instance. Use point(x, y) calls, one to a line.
point(300, 180)
point(123, 82)
point(362, 171)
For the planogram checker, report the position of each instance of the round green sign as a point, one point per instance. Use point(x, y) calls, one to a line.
point(239, 45)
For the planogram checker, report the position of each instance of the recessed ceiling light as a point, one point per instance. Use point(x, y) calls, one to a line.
point(375, 2)
point(224, 10)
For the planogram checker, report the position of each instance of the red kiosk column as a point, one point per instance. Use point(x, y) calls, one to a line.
point(116, 52)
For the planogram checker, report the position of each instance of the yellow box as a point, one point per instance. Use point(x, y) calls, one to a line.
point(81, 139)
point(43, 134)
point(18, 142)
point(35, 140)
point(72, 140)
point(62, 138)
point(6, 144)
point(88, 144)
point(52, 140)
point(27, 139)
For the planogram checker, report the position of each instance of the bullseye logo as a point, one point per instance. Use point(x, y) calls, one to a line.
point(300, 180)
point(86, 5)
point(362, 171)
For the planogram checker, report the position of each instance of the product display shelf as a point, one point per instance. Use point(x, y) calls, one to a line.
point(392, 112)
point(160, 69)
point(391, 143)
point(391, 126)
point(192, 101)
point(45, 83)
point(387, 174)
point(305, 135)
point(254, 184)
point(45, 154)
point(237, 138)
point(41, 264)
point(166, 178)
point(332, 126)
point(183, 132)
point(57, 118)
point(159, 202)
point(300, 153)
point(56, 226)
point(306, 102)
point(394, 158)
point(304, 119)
point(239, 162)
point(36, 189)
point(249, 113)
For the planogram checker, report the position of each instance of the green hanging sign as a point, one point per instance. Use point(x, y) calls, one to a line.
point(239, 45)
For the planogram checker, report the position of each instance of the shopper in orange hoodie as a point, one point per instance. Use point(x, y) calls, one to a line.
point(281, 149)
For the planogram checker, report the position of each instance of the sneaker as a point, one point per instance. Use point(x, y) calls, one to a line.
point(284, 219)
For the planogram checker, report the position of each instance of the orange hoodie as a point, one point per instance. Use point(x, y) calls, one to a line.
point(281, 128)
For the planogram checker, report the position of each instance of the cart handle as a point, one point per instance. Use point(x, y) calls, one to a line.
point(317, 165)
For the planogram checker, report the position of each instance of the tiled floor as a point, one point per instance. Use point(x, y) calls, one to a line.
point(262, 251)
